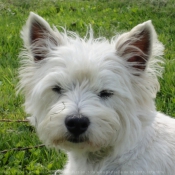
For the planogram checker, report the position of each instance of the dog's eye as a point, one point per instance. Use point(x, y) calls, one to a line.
point(57, 89)
point(105, 94)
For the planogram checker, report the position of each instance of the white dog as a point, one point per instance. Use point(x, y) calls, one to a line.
point(94, 98)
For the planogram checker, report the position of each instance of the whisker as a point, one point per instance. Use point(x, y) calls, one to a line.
point(58, 111)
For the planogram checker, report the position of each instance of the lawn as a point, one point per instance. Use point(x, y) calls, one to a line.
point(107, 18)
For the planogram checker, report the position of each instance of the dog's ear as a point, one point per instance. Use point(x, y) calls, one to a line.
point(136, 46)
point(39, 38)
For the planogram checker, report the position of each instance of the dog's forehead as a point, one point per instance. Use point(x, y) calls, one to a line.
point(81, 71)
point(91, 75)
point(84, 63)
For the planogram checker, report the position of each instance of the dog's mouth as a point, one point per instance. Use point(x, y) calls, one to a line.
point(76, 139)
point(71, 139)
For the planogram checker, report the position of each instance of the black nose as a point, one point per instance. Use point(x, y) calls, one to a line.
point(77, 125)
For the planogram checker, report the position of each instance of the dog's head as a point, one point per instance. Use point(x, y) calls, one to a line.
point(86, 93)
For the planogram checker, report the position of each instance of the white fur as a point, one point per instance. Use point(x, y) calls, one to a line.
point(126, 134)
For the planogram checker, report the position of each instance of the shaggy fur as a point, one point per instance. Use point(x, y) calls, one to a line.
point(113, 83)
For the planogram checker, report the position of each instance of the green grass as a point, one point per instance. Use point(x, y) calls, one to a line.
point(106, 18)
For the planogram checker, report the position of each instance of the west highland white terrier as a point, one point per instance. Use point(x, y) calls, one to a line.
point(94, 98)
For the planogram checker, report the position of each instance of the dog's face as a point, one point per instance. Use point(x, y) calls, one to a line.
point(88, 93)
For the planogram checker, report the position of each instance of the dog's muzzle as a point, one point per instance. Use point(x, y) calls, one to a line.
point(76, 125)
